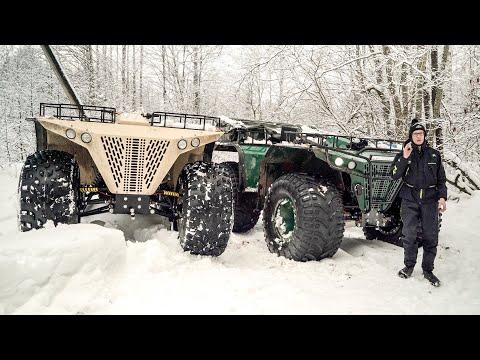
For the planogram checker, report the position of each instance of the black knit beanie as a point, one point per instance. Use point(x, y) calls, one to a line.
point(415, 125)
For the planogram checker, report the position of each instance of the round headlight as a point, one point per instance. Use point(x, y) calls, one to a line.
point(86, 137)
point(182, 144)
point(339, 161)
point(351, 165)
point(195, 142)
point(70, 133)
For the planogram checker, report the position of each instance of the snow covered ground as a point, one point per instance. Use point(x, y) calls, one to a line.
point(126, 267)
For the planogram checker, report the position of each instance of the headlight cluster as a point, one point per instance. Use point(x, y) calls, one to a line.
point(351, 164)
point(195, 142)
point(71, 134)
point(87, 138)
point(182, 144)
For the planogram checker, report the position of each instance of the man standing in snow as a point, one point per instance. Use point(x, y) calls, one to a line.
point(423, 194)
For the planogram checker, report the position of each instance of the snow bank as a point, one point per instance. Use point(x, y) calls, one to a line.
point(41, 268)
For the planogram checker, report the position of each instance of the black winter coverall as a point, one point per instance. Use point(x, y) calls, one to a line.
point(423, 185)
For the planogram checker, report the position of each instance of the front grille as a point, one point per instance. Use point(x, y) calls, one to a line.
point(133, 162)
point(154, 155)
point(383, 190)
point(114, 148)
point(379, 170)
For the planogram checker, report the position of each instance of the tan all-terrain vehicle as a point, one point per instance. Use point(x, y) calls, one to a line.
point(92, 159)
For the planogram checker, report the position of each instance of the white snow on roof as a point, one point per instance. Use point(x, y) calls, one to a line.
point(310, 130)
point(234, 123)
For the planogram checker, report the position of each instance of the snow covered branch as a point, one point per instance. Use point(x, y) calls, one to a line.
point(457, 181)
point(463, 170)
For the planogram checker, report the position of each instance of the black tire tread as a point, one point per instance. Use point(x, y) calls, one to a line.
point(207, 230)
point(320, 222)
point(42, 193)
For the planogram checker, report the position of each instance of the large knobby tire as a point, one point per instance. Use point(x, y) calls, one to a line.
point(394, 235)
point(246, 213)
point(303, 218)
point(205, 207)
point(390, 235)
point(48, 190)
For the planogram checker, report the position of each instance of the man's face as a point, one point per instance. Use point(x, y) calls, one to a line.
point(418, 137)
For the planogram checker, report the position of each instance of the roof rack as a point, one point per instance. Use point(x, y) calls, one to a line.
point(185, 121)
point(107, 115)
point(82, 112)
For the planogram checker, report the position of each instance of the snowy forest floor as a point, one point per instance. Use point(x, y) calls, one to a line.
point(138, 267)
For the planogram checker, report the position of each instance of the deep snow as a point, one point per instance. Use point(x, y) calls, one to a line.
point(88, 268)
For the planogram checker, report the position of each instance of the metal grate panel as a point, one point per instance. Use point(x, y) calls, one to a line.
point(379, 190)
point(380, 170)
point(154, 155)
point(392, 189)
point(134, 162)
point(114, 149)
point(383, 190)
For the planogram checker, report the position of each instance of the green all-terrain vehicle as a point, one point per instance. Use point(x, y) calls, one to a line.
point(308, 183)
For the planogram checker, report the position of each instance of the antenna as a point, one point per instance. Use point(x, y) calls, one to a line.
point(62, 76)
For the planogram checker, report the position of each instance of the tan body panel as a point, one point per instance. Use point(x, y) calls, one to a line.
point(82, 156)
point(184, 159)
point(132, 159)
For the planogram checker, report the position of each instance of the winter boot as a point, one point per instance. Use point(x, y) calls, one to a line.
point(406, 272)
point(432, 278)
